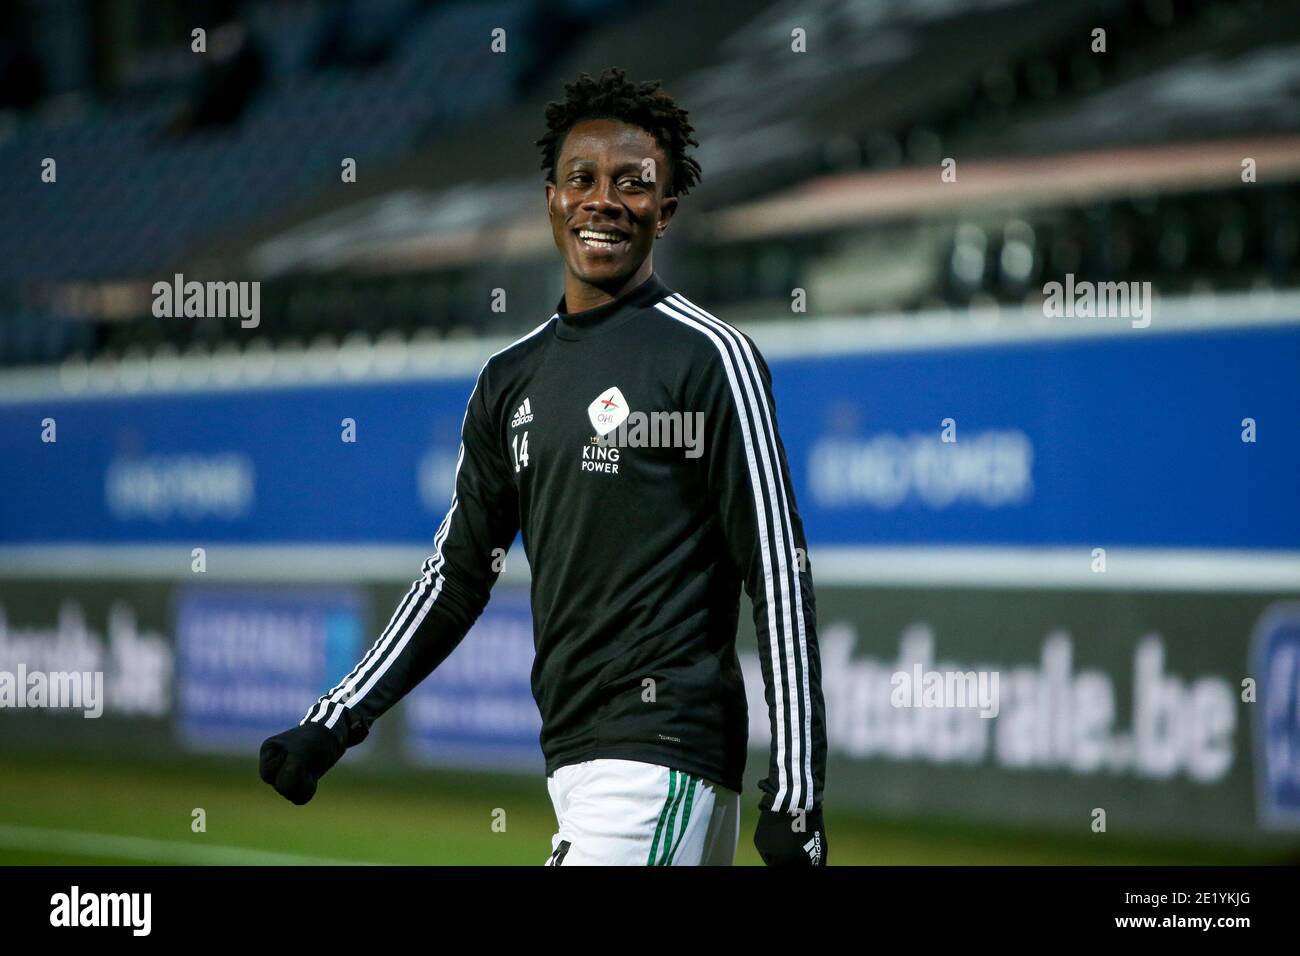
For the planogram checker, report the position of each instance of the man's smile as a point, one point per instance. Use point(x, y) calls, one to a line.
point(601, 240)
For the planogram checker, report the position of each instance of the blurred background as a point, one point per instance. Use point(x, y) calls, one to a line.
point(1100, 505)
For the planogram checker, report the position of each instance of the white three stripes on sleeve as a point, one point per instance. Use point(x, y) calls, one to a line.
point(780, 562)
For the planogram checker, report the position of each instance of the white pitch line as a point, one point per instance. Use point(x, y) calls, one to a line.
point(155, 851)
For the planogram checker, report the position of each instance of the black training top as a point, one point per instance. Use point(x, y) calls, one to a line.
point(635, 445)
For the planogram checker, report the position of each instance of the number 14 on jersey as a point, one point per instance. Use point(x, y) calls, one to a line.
point(521, 451)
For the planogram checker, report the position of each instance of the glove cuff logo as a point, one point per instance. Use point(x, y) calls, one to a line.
point(814, 849)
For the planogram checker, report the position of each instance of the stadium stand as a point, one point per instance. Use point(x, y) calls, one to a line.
point(222, 168)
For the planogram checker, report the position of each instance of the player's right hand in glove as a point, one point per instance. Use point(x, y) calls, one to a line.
point(293, 761)
point(784, 839)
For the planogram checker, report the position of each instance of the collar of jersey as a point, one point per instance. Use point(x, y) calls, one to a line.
point(579, 325)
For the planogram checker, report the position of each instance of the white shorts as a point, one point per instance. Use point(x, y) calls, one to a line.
point(629, 813)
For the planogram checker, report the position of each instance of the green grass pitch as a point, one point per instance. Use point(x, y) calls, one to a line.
point(69, 810)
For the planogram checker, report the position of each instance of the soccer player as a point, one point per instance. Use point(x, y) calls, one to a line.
point(632, 438)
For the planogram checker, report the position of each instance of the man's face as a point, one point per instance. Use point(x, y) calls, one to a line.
point(602, 186)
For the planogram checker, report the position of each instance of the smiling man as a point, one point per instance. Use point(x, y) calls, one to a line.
point(638, 544)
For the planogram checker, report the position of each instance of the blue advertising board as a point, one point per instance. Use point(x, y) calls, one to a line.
point(1170, 440)
point(477, 708)
point(249, 662)
point(1276, 659)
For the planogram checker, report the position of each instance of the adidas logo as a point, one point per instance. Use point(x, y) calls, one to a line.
point(523, 415)
point(814, 849)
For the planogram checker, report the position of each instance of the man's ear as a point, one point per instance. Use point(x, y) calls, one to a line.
point(550, 192)
point(666, 210)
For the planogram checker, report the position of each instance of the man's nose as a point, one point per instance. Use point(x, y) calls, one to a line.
point(602, 198)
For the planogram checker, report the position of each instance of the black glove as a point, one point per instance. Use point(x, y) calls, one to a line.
point(785, 839)
point(293, 761)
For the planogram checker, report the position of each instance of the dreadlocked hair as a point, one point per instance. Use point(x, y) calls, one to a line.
point(639, 104)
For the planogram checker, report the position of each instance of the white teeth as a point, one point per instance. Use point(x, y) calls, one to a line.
point(592, 237)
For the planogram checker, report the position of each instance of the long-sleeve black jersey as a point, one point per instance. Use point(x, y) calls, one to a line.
point(635, 445)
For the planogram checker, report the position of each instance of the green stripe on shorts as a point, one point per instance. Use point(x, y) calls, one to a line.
point(672, 819)
point(663, 816)
point(686, 817)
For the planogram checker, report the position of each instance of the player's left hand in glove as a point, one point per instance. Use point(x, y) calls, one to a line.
point(295, 760)
point(785, 839)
